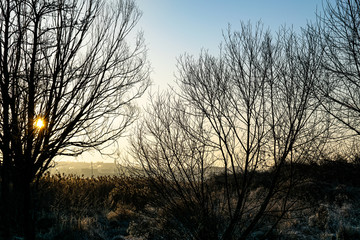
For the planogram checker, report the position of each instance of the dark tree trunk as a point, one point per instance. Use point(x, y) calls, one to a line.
point(5, 204)
point(29, 226)
point(24, 205)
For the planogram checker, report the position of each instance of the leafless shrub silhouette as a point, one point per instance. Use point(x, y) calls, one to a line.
point(249, 109)
point(337, 30)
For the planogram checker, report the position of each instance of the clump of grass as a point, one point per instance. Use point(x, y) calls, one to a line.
point(69, 203)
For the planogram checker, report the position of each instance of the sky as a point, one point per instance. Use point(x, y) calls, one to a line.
point(174, 27)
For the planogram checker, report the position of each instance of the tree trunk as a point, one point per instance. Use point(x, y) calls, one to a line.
point(24, 204)
point(29, 226)
point(5, 204)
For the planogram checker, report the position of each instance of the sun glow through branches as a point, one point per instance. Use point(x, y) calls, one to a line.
point(39, 123)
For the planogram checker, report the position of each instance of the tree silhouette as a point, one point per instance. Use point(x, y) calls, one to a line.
point(337, 29)
point(249, 109)
point(67, 63)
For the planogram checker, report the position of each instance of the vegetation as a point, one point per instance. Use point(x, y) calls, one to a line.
point(248, 109)
point(124, 207)
point(68, 78)
point(258, 142)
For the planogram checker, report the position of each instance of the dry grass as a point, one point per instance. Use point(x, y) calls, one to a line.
point(124, 207)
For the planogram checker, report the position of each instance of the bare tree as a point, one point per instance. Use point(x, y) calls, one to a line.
point(337, 29)
point(64, 64)
point(249, 109)
point(170, 148)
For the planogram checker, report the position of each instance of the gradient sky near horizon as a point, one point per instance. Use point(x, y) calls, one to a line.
point(175, 27)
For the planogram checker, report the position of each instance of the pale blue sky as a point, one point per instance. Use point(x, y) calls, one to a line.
point(173, 27)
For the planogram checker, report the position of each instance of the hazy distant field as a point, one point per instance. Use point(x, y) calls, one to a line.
point(85, 169)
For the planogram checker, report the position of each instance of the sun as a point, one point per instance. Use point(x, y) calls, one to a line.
point(39, 123)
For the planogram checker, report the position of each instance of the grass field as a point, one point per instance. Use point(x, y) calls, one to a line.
point(124, 207)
